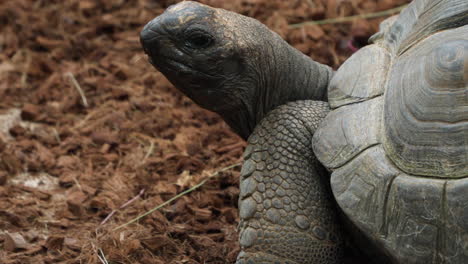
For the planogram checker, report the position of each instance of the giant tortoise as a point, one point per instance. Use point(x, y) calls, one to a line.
point(375, 153)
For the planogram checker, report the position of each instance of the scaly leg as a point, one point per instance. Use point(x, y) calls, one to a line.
point(286, 206)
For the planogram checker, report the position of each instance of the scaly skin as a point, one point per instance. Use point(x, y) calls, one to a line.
point(286, 207)
point(237, 67)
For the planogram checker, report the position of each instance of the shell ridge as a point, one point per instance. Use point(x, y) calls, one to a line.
point(442, 231)
point(384, 227)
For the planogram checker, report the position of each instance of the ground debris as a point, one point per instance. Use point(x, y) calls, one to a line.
point(87, 125)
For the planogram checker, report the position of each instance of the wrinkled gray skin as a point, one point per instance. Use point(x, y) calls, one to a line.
point(231, 64)
point(273, 95)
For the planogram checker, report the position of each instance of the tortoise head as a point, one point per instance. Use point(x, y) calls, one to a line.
point(230, 64)
point(192, 45)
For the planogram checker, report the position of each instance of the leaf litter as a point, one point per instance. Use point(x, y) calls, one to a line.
point(91, 136)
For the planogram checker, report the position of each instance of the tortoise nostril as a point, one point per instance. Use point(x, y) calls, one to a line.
point(149, 31)
point(147, 34)
point(149, 39)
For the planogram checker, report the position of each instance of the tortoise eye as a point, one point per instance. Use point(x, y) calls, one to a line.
point(199, 40)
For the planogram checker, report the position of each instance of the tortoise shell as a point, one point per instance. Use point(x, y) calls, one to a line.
point(397, 138)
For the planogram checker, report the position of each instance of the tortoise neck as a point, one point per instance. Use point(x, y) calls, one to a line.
point(284, 75)
point(291, 76)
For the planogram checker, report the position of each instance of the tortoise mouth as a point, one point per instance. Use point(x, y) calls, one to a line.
point(203, 88)
point(173, 65)
point(170, 65)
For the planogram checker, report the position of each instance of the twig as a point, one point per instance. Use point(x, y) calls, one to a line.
point(122, 206)
point(57, 136)
point(150, 151)
point(349, 18)
point(78, 87)
point(108, 217)
point(102, 258)
point(133, 199)
point(136, 59)
point(179, 195)
point(24, 75)
point(77, 183)
point(102, 111)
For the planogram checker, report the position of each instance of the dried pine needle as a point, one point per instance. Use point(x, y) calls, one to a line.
point(350, 18)
point(179, 195)
point(78, 88)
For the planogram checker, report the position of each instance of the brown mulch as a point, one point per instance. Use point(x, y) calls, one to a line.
point(88, 127)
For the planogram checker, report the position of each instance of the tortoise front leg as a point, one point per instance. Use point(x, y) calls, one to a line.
point(286, 206)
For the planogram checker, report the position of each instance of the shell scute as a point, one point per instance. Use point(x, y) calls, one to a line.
point(348, 131)
point(361, 77)
point(426, 107)
point(361, 188)
point(423, 18)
